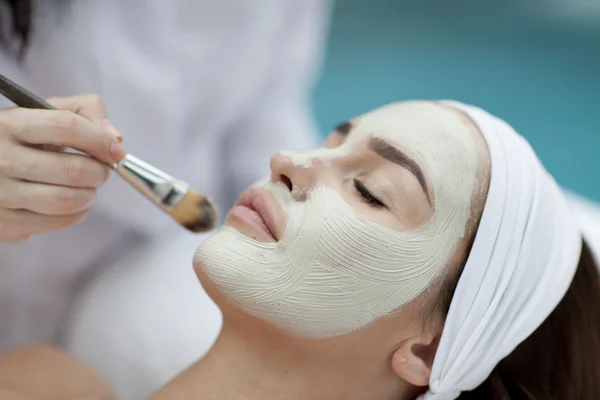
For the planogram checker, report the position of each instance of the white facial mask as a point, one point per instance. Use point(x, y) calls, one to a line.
point(335, 271)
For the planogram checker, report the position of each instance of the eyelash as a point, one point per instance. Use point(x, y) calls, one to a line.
point(368, 197)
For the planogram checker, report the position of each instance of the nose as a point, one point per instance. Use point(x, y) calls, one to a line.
point(296, 177)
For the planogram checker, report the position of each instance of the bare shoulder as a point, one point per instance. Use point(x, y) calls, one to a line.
point(37, 372)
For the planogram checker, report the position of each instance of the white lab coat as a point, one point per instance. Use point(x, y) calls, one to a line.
point(205, 90)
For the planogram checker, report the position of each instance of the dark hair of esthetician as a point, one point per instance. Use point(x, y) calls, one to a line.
point(17, 26)
point(20, 16)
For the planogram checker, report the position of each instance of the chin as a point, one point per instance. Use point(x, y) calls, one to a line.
point(230, 267)
point(231, 313)
point(207, 258)
point(208, 285)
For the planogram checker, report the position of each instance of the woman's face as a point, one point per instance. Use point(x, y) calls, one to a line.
point(379, 179)
point(343, 235)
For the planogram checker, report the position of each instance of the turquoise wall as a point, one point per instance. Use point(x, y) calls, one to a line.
point(541, 75)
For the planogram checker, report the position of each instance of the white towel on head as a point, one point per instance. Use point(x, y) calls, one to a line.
point(523, 259)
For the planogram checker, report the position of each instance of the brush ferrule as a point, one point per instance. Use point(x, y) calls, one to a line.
point(159, 187)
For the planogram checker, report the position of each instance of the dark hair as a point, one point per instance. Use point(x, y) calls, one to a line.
point(561, 359)
point(21, 15)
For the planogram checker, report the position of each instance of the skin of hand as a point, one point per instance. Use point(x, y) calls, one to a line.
point(43, 187)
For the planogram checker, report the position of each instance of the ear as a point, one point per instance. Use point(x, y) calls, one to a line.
point(412, 361)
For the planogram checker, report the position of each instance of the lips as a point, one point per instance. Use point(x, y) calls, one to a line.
point(256, 206)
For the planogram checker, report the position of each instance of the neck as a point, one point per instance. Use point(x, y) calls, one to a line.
point(251, 362)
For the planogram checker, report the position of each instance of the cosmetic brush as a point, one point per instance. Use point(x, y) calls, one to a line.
point(185, 205)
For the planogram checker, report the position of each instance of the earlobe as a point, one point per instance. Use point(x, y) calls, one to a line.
point(413, 360)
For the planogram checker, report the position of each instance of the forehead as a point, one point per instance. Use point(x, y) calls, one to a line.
point(413, 125)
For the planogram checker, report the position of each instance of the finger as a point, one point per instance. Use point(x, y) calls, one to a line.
point(89, 106)
point(18, 225)
point(56, 168)
point(49, 147)
point(64, 128)
point(45, 199)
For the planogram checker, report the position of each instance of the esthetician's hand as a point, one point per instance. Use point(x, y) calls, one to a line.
point(43, 188)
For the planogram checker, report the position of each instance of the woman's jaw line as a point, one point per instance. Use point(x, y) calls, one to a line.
point(288, 362)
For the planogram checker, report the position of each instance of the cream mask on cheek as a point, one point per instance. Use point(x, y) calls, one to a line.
point(335, 271)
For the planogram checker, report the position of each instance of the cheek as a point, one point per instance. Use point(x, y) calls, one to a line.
point(345, 189)
point(384, 219)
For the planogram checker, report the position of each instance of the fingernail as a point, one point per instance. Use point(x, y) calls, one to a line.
point(117, 151)
point(112, 130)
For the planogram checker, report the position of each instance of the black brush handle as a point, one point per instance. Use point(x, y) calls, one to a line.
point(21, 96)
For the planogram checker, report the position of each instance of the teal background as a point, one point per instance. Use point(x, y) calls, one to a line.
point(537, 70)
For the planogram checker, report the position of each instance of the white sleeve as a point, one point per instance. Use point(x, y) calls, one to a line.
point(281, 117)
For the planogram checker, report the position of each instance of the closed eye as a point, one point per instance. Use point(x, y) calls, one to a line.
point(367, 196)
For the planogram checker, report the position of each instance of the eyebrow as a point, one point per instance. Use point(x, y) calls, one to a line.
point(344, 128)
point(390, 153)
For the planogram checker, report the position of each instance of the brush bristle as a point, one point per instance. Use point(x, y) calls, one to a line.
point(196, 213)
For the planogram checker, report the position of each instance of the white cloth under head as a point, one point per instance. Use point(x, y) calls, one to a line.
point(523, 259)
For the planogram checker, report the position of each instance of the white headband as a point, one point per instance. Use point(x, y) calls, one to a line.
point(523, 259)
